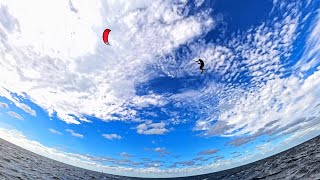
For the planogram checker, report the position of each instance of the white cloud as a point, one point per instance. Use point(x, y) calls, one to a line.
point(15, 115)
point(161, 150)
point(4, 105)
point(26, 108)
point(149, 100)
point(284, 100)
point(66, 34)
point(199, 2)
point(62, 65)
point(74, 133)
point(149, 128)
point(111, 136)
point(53, 131)
point(124, 154)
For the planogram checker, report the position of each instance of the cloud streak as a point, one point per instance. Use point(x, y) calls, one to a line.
point(15, 115)
point(74, 133)
point(208, 152)
point(53, 131)
point(4, 105)
point(112, 136)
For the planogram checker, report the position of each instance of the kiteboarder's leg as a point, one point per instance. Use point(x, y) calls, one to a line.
point(202, 70)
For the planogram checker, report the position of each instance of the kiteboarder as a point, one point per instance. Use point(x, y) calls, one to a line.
point(201, 65)
point(105, 36)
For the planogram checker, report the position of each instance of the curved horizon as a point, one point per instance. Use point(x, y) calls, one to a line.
point(142, 107)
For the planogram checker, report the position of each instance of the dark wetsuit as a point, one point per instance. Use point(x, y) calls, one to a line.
point(201, 65)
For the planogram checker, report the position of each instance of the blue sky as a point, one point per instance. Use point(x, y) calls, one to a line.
point(140, 107)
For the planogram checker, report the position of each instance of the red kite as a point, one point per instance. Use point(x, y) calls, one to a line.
point(105, 36)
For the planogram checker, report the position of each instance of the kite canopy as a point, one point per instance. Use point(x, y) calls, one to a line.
point(105, 36)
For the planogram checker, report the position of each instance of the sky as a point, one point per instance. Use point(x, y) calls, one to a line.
point(140, 107)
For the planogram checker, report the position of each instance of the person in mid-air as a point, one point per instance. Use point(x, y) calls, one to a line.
point(201, 65)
